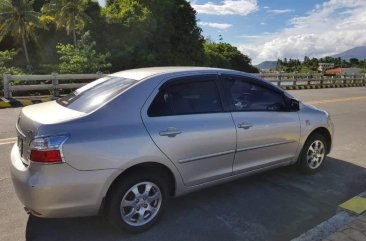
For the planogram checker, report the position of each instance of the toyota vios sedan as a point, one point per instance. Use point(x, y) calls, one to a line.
point(124, 143)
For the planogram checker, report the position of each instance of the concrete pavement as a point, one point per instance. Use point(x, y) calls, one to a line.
point(276, 205)
point(354, 231)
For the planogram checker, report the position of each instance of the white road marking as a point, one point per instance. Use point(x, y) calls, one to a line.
point(7, 141)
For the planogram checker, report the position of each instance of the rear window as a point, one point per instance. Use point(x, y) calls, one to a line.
point(95, 94)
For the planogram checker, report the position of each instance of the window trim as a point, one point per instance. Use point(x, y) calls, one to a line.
point(186, 80)
point(254, 81)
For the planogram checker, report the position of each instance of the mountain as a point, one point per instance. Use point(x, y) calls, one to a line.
point(358, 53)
point(267, 65)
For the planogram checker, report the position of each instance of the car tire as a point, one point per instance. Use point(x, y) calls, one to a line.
point(131, 206)
point(313, 154)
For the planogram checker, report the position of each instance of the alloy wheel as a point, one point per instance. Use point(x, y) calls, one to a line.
point(315, 154)
point(141, 203)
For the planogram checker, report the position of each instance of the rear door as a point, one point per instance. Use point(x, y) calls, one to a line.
point(185, 119)
point(267, 133)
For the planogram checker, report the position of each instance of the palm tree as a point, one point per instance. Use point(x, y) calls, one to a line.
point(68, 14)
point(18, 19)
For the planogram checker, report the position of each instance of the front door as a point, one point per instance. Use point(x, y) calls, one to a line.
point(267, 133)
point(186, 121)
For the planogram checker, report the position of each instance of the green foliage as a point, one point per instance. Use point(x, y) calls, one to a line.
point(6, 59)
point(152, 33)
point(128, 13)
point(66, 14)
point(18, 19)
point(309, 65)
point(225, 55)
point(131, 33)
point(81, 59)
point(289, 65)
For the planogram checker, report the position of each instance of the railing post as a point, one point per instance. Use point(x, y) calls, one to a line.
point(294, 80)
point(279, 79)
point(344, 78)
point(321, 81)
point(55, 90)
point(99, 73)
point(6, 82)
point(308, 81)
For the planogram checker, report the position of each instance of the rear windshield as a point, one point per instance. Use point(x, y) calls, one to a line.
point(95, 94)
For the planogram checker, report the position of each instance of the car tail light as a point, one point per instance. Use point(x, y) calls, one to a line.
point(47, 149)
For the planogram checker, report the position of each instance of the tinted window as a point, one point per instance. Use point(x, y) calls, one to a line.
point(186, 98)
point(248, 96)
point(95, 94)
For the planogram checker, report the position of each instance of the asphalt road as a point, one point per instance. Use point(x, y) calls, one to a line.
point(276, 205)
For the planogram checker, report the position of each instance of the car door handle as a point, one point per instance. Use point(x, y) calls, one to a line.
point(245, 125)
point(171, 132)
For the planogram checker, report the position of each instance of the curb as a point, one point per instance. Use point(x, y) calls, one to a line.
point(6, 103)
point(327, 227)
point(347, 212)
point(355, 205)
point(321, 86)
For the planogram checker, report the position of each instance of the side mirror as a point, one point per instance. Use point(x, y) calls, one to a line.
point(294, 105)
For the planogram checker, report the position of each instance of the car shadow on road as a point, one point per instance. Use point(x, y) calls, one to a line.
point(275, 205)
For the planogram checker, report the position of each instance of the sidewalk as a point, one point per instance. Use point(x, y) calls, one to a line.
point(349, 224)
point(355, 231)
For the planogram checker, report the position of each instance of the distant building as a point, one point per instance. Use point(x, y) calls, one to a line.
point(346, 71)
point(325, 66)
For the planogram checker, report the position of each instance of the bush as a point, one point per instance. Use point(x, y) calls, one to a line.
point(81, 59)
point(6, 59)
point(224, 55)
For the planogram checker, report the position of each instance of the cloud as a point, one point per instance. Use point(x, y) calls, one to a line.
point(250, 36)
point(330, 28)
point(280, 11)
point(221, 26)
point(227, 7)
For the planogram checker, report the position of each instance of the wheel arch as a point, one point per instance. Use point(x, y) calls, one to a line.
point(324, 132)
point(156, 167)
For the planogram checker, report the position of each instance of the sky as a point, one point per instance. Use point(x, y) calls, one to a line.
point(272, 29)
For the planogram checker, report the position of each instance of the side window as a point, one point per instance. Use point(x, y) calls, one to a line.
point(247, 96)
point(186, 98)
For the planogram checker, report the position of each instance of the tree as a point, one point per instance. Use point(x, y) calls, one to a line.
point(83, 58)
point(187, 47)
point(6, 58)
point(354, 62)
point(18, 19)
point(224, 55)
point(152, 33)
point(6, 65)
point(68, 14)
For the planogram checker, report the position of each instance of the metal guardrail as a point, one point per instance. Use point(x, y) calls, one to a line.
point(281, 79)
point(303, 79)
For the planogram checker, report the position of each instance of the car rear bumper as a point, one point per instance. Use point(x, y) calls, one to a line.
point(58, 190)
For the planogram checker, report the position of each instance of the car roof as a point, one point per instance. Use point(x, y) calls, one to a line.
point(142, 73)
point(145, 73)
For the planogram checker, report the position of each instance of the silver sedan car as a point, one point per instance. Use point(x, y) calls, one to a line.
point(123, 144)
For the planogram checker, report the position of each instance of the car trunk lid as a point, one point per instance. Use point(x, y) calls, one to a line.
point(32, 118)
